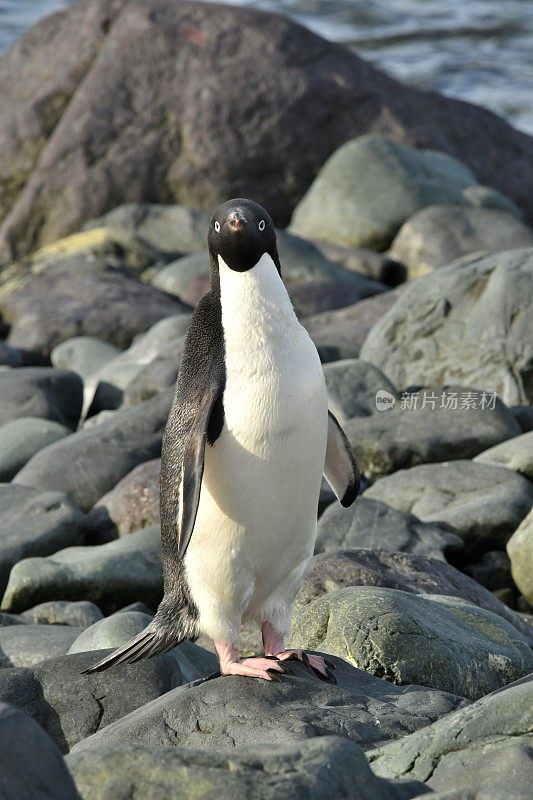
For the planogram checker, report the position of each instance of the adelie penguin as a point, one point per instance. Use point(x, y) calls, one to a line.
point(247, 441)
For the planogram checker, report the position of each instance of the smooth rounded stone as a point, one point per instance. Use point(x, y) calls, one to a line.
point(70, 705)
point(195, 661)
point(35, 523)
point(520, 551)
point(443, 642)
point(90, 463)
point(230, 712)
point(352, 385)
point(90, 297)
point(479, 196)
point(80, 614)
point(377, 266)
point(132, 504)
point(316, 296)
point(338, 569)
point(403, 437)
point(470, 323)
point(6, 620)
point(482, 503)
point(31, 766)
point(83, 354)
point(340, 334)
point(22, 438)
point(437, 235)
point(465, 748)
point(41, 392)
point(186, 278)
point(26, 645)
point(110, 632)
point(10, 356)
point(109, 575)
point(151, 380)
point(493, 570)
point(371, 185)
point(524, 417)
point(317, 769)
point(515, 454)
point(371, 524)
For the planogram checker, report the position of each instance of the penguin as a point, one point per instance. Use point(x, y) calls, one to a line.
point(248, 438)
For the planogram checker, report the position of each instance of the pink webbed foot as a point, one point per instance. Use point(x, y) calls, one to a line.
point(269, 669)
point(322, 667)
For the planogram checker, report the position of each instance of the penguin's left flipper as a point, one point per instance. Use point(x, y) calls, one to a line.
point(340, 468)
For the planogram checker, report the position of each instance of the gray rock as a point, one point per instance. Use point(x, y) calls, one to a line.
point(35, 523)
point(443, 642)
point(26, 645)
point(524, 417)
point(22, 438)
point(352, 385)
point(79, 614)
point(108, 575)
point(520, 551)
point(229, 712)
point(479, 196)
point(482, 503)
point(151, 380)
point(492, 570)
point(338, 569)
point(377, 266)
point(433, 332)
point(478, 746)
point(195, 661)
point(371, 524)
point(132, 504)
point(41, 392)
point(7, 620)
point(186, 278)
point(69, 705)
point(10, 356)
point(317, 769)
point(403, 437)
point(371, 185)
point(515, 454)
point(28, 778)
point(110, 632)
point(437, 235)
point(89, 463)
point(83, 354)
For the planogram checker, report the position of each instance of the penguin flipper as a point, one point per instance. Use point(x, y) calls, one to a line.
point(340, 468)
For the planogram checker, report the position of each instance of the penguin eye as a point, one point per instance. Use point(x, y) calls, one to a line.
point(261, 225)
point(217, 226)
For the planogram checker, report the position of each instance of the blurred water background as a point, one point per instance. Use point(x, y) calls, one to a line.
point(477, 50)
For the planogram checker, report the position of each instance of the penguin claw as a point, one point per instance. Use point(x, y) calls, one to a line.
point(321, 668)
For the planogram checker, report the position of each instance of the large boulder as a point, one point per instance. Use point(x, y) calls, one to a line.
point(83, 354)
point(41, 392)
point(438, 235)
point(26, 645)
point(433, 640)
point(229, 712)
point(520, 550)
point(109, 575)
point(483, 504)
point(80, 613)
point(352, 387)
point(110, 632)
point(22, 438)
point(470, 323)
point(73, 144)
point(516, 454)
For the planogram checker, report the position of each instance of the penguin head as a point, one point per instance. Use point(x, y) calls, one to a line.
point(240, 232)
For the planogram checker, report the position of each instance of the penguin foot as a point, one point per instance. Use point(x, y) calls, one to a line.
point(321, 667)
point(256, 667)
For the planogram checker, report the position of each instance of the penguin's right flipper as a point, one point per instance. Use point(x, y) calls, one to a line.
point(340, 468)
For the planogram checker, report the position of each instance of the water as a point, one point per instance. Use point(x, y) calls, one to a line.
point(477, 50)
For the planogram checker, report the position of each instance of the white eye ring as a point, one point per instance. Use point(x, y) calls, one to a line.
point(261, 225)
point(217, 226)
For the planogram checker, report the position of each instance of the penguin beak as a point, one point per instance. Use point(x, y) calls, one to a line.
point(236, 221)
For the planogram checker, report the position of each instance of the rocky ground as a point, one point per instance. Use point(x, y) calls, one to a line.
point(407, 253)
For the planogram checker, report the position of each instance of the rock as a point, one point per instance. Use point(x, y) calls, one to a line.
point(26, 778)
point(70, 706)
point(110, 632)
point(151, 380)
point(41, 392)
point(404, 436)
point(493, 570)
point(377, 266)
point(22, 438)
point(340, 334)
point(320, 768)
point(443, 642)
point(195, 661)
point(9, 356)
point(352, 385)
point(26, 645)
point(516, 454)
point(416, 574)
point(371, 524)
point(90, 463)
point(371, 185)
point(7, 620)
point(79, 614)
point(131, 505)
point(108, 575)
point(228, 712)
point(60, 169)
point(482, 746)
point(83, 354)
point(520, 551)
point(437, 235)
point(90, 298)
point(482, 503)
point(35, 523)
point(186, 278)
point(433, 332)
point(524, 417)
